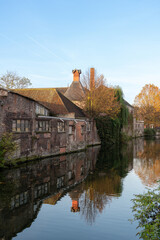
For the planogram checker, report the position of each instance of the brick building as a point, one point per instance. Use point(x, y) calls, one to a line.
point(36, 129)
point(48, 121)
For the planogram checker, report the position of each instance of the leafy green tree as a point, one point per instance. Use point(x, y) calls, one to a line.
point(146, 208)
point(11, 80)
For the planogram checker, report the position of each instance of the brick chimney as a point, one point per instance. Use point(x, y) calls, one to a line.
point(75, 206)
point(76, 75)
point(92, 79)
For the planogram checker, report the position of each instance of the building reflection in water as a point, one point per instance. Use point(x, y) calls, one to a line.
point(91, 196)
point(103, 183)
point(24, 189)
point(147, 161)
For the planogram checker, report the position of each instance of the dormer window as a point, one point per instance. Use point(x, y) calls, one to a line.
point(40, 110)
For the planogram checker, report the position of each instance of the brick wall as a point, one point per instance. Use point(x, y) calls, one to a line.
point(43, 138)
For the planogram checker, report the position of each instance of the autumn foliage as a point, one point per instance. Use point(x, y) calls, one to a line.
point(147, 105)
point(100, 99)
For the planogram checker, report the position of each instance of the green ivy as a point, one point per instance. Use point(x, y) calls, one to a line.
point(124, 113)
point(7, 148)
point(110, 129)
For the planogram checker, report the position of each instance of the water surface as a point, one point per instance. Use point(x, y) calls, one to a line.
point(84, 195)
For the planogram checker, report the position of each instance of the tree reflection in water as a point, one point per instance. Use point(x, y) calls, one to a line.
point(147, 162)
point(106, 182)
point(97, 193)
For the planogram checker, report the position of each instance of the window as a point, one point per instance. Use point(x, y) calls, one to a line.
point(82, 129)
point(82, 170)
point(60, 182)
point(69, 175)
point(88, 126)
point(61, 126)
point(41, 190)
point(20, 125)
point(40, 110)
point(71, 129)
point(19, 200)
point(43, 126)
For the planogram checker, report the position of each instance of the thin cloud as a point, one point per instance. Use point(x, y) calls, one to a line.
point(46, 49)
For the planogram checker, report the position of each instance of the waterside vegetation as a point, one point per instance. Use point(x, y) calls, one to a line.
point(7, 148)
point(146, 208)
point(149, 132)
point(109, 128)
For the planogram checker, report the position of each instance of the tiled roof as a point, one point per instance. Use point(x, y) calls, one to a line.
point(75, 92)
point(71, 107)
point(13, 91)
point(52, 99)
point(62, 90)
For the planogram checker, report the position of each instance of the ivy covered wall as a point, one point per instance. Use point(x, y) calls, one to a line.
point(110, 130)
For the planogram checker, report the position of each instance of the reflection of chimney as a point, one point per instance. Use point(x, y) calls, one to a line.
point(92, 79)
point(75, 195)
point(75, 206)
point(76, 75)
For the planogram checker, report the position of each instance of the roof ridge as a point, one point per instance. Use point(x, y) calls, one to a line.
point(24, 89)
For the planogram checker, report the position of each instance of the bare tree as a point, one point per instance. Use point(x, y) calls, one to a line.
point(11, 80)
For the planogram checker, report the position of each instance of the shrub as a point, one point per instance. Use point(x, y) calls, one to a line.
point(149, 132)
point(146, 208)
point(7, 148)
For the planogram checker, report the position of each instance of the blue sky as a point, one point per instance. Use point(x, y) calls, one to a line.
point(45, 39)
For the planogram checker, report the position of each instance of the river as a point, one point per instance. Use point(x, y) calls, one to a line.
point(85, 195)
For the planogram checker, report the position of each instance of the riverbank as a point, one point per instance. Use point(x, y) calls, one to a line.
point(63, 136)
point(13, 162)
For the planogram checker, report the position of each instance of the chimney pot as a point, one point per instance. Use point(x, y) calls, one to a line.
point(76, 75)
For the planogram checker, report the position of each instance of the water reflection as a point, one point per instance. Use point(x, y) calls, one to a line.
point(147, 162)
point(23, 189)
point(92, 180)
point(106, 182)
